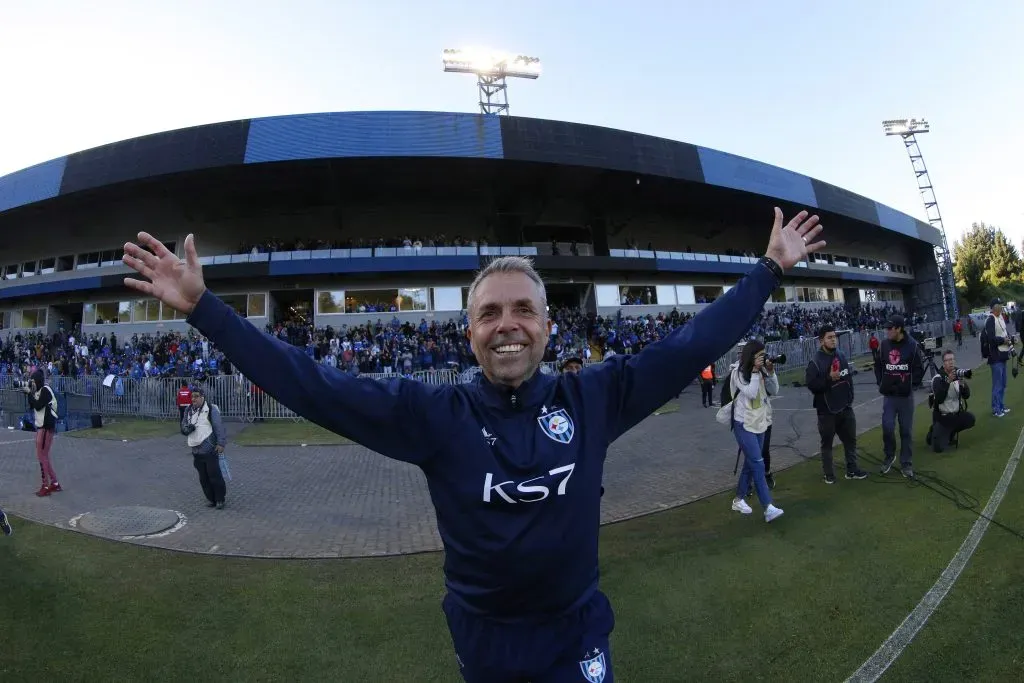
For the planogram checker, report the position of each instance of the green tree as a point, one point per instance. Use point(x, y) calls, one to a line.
point(1004, 265)
point(971, 257)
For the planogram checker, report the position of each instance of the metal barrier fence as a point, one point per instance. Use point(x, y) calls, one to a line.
point(238, 399)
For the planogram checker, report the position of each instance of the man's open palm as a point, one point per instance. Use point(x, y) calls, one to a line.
point(791, 244)
point(176, 282)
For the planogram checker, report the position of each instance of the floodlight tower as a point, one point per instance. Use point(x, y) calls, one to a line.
point(491, 69)
point(908, 130)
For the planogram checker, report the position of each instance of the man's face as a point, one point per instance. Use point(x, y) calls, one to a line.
point(997, 310)
point(197, 400)
point(892, 333)
point(508, 328)
point(829, 341)
point(949, 362)
point(572, 367)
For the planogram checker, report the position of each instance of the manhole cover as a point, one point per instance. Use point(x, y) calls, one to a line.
point(128, 521)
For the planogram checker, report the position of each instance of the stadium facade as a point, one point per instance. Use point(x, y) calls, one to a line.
point(353, 202)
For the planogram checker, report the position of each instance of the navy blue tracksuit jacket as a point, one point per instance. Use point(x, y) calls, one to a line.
point(514, 475)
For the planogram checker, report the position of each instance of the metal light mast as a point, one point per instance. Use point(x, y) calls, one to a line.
point(908, 129)
point(491, 69)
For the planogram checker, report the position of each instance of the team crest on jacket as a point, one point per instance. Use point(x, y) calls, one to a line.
point(594, 668)
point(556, 425)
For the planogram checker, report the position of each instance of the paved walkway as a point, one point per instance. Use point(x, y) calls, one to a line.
point(346, 501)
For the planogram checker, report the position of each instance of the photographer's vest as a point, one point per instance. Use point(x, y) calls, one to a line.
point(1000, 328)
point(40, 416)
point(951, 405)
point(200, 419)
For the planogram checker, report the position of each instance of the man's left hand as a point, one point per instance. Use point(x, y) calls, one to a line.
point(791, 244)
point(219, 449)
point(769, 367)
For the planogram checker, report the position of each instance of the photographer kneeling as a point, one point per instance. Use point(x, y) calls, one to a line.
point(949, 411)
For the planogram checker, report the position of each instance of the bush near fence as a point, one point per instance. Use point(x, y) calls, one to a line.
point(156, 397)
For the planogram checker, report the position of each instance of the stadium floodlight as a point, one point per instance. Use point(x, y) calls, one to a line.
point(491, 69)
point(905, 126)
point(908, 130)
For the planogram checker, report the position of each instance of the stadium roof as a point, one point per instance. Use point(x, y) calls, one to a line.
point(434, 134)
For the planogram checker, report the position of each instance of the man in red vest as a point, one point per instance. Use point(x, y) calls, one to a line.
point(184, 400)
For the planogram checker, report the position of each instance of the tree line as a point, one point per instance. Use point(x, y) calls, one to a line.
point(987, 264)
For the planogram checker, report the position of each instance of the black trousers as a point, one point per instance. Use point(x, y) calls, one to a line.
point(844, 425)
point(705, 393)
point(210, 477)
point(945, 428)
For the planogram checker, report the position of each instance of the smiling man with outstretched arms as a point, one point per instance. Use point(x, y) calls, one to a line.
point(513, 460)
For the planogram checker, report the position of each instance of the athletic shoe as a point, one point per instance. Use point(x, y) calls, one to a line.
point(5, 524)
point(1005, 410)
point(908, 472)
point(770, 478)
point(220, 505)
point(857, 474)
point(740, 506)
point(211, 505)
point(887, 464)
point(44, 490)
point(55, 487)
point(771, 513)
point(829, 479)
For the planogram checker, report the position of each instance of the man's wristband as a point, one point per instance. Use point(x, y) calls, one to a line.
point(773, 266)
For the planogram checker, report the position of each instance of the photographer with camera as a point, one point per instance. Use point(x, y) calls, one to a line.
point(206, 437)
point(949, 404)
point(43, 403)
point(829, 379)
point(752, 381)
point(996, 345)
point(897, 363)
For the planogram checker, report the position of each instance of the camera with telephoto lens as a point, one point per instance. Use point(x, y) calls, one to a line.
point(962, 373)
point(777, 360)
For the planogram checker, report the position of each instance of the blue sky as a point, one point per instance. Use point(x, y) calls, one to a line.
point(799, 84)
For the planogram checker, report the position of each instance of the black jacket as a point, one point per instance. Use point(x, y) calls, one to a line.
point(994, 342)
point(830, 397)
point(896, 365)
point(940, 390)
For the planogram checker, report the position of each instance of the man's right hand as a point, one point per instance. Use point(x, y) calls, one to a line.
point(834, 375)
point(176, 282)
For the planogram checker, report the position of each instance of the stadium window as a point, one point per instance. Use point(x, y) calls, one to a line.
point(88, 314)
point(32, 318)
point(65, 263)
point(779, 295)
point(111, 257)
point(28, 269)
point(638, 296)
point(413, 299)
point(5, 320)
point(256, 306)
point(90, 260)
point(239, 302)
point(146, 311)
point(706, 295)
point(465, 298)
point(371, 301)
point(11, 272)
point(16, 319)
point(47, 266)
point(168, 313)
point(330, 302)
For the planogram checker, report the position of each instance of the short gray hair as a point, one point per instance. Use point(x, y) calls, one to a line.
point(509, 264)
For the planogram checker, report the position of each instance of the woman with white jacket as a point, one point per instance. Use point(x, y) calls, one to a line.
point(753, 380)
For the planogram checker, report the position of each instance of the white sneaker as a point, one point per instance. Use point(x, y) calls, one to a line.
point(740, 506)
point(771, 513)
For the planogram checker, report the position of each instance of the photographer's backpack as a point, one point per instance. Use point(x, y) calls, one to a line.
point(984, 342)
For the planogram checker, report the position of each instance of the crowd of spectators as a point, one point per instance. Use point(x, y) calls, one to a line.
point(409, 241)
point(388, 346)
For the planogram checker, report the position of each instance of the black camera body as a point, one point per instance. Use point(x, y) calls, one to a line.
point(777, 360)
point(962, 373)
point(187, 429)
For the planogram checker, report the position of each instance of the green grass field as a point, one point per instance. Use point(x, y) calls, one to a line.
point(130, 428)
point(287, 433)
point(700, 592)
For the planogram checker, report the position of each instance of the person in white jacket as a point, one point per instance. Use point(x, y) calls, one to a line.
point(753, 380)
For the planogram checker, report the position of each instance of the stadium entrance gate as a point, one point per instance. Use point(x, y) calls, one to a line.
point(291, 306)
